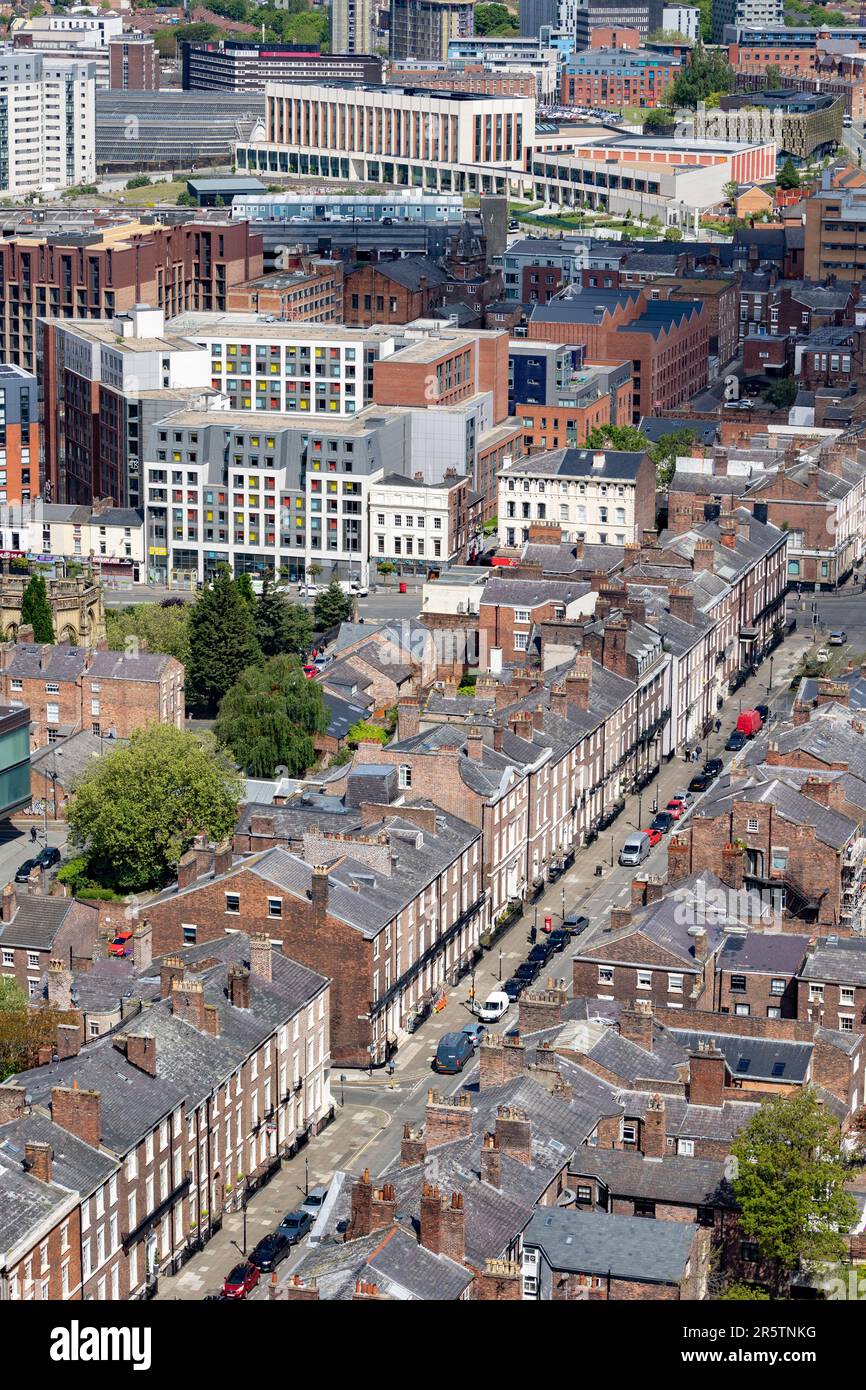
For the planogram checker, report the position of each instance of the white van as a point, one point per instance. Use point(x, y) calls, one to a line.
point(493, 1007)
point(635, 849)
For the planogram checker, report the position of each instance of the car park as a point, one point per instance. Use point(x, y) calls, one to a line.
point(736, 741)
point(270, 1250)
point(241, 1281)
point(295, 1225)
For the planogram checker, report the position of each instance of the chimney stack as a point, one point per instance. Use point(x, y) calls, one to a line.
point(491, 1161)
point(261, 957)
point(239, 986)
point(37, 1160)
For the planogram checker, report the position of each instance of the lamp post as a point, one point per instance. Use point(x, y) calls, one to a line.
point(500, 965)
point(770, 682)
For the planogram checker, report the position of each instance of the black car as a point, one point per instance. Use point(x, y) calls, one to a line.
point(513, 988)
point(23, 872)
point(764, 712)
point(700, 782)
point(575, 923)
point(736, 741)
point(294, 1226)
point(541, 953)
point(558, 940)
point(270, 1250)
point(527, 971)
point(662, 822)
point(49, 856)
point(712, 767)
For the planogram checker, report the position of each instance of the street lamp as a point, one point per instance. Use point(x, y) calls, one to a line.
point(770, 682)
point(500, 965)
point(342, 1089)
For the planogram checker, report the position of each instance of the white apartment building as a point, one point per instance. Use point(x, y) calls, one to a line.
point(416, 521)
point(602, 498)
point(682, 19)
point(47, 123)
point(453, 141)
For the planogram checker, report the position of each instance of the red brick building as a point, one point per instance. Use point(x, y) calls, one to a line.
point(396, 291)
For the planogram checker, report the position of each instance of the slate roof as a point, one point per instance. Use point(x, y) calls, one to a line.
point(343, 714)
point(36, 921)
point(842, 962)
point(767, 953)
point(26, 1203)
point(74, 1164)
point(831, 828)
point(600, 1243)
point(73, 757)
point(764, 1059)
point(409, 271)
point(578, 463)
point(694, 1181)
point(392, 1259)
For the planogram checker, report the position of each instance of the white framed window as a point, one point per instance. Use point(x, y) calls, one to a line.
point(846, 994)
point(404, 776)
point(605, 974)
point(675, 984)
point(686, 1147)
point(816, 994)
point(777, 986)
point(846, 1023)
point(521, 615)
point(275, 907)
point(752, 823)
point(644, 979)
point(521, 641)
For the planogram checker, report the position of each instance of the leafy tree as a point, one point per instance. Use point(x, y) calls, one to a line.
point(789, 1183)
point(729, 191)
point(708, 73)
point(658, 118)
point(268, 718)
point(787, 176)
point(673, 234)
point(36, 610)
point(162, 626)
point(12, 995)
point(782, 394)
point(282, 626)
point(137, 810)
point(244, 585)
point(494, 19)
point(332, 607)
point(222, 641)
point(23, 1030)
point(742, 1293)
point(363, 732)
point(665, 451)
point(773, 77)
point(624, 437)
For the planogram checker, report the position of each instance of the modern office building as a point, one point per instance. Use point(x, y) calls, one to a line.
point(169, 129)
point(422, 29)
point(761, 13)
point(682, 19)
point(563, 16)
point(19, 435)
point(804, 125)
point(435, 141)
point(14, 758)
point(47, 123)
point(618, 77)
point(349, 208)
point(231, 65)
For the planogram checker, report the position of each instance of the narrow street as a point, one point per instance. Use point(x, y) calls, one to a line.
point(370, 1110)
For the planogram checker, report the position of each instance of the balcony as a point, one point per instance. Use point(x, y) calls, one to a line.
point(154, 1217)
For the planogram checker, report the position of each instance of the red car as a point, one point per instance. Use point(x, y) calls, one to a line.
point(121, 946)
point(241, 1281)
point(654, 835)
point(310, 671)
point(675, 809)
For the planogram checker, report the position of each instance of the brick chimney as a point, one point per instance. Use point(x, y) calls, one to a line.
point(187, 1002)
point(222, 859)
point(12, 1100)
point(826, 793)
point(141, 1053)
point(59, 986)
point(491, 1160)
point(578, 682)
point(620, 917)
point(681, 604)
point(500, 1059)
point(614, 654)
point(263, 824)
point(559, 699)
point(707, 1069)
point(636, 1023)
point(408, 718)
point(541, 1009)
point(78, 1112)
point(442, 1223)
point(646, 890)
point(300, 1290)
point(654, 1135)
point(172, 969)
point(239, 986)
point(703, 557)
point(319, 894)
point(37, 1160)
point(728, 532)
point(679, 857)
point(514, 1133)
point(447, 1117)
point(8, 904)
point(474, 745)
point(500, 1282)
point(538, 718)
point(261, 957)
point(142, 947)
point(373, 1209)
point(68, 1040)
point(731, 868)
point(413, 1146)
point(701, 942)
point(187, 869)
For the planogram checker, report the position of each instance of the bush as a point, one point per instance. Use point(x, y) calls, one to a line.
point(138, 181)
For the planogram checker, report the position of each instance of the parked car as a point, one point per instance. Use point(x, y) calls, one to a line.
point(675, 809)
point(527, 971)
point(307, 590)
point(635, 849)
point(575, 923)
point(713, 766)
point(653, 836)
point(764, 712)
point(558, 940)
point(241, 1281)
point(540, 953)
point(23, 872)
point(663, 822)
point(749, 722)
point(270, 1250)
point(295, 1225)
point(736, 741)
point(314, 1201)
point(700, 782)
point(48, 857)
point(513, 988)
point(453, 1052)
point(837, 639)
point(494, 1006)
point(121, 945)
point(685, 797)
point(474, 1032)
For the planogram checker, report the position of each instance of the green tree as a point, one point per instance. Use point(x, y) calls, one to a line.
point(673, 234)
point(139, 808)
point(623, 437)
point(282, 626)
point(787, 176)
point(789, 1183)
point(23, 1031)
point(36, 610)
point(12, 995)
point(222, 642)
point(332, 607)
point(658, 118)
point(729, 191)
point(782, 394)
point(494, 19)
point(244, 585)
point(742, 1293)
point(268, 718)
point(708, 74)
point(163, 627)
point(364, 732)
point(773, 77)
point(665, 451)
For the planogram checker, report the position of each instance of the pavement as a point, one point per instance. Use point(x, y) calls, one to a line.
point(370, 1111)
